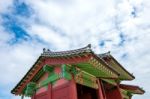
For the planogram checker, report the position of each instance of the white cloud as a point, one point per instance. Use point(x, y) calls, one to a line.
point(5, 5)
point(71, 24)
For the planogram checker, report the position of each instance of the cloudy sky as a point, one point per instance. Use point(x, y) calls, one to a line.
point(119, 26)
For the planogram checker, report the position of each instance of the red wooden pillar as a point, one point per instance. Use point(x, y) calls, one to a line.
point(119, 92)
point(73, 89)
point(114, 93)
point(49, 91)
point(33, 97)
point(100, 90)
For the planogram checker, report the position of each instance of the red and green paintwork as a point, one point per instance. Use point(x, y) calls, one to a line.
point(56, 70)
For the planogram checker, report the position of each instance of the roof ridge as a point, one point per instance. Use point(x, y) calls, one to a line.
point(68, 52)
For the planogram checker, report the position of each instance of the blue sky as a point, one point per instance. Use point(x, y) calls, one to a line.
point(119, 26)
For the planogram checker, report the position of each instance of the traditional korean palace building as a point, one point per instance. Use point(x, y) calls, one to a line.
point(76, 74)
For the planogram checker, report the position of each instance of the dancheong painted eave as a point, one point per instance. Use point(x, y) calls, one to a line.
point(79, 57)
point(109, 59)
point(132, 88)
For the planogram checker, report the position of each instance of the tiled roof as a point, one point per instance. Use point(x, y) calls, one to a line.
point(49, 53)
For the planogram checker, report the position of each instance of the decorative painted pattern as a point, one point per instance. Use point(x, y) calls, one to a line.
point(86, 79)
point(96, 64)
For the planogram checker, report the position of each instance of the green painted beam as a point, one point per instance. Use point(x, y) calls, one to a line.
point(110, 81)
point(92, 70)
point(50, 79)
point(48, 68)
point(66, 72)
point(30, 89)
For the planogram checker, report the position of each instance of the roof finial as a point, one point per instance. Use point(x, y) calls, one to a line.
point(89, 45)
point(48, 50)
point(44, 50)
